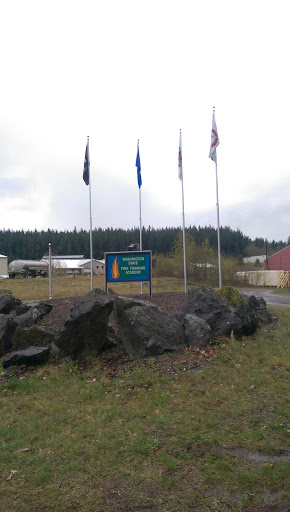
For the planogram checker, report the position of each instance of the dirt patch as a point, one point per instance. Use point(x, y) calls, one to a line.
point(276, 507)
point(57, 316)
point(282, 456)
point(170, 302)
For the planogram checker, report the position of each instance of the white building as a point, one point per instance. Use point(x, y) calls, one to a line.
point(3, 267)
point(253, 259)
point(76, 264)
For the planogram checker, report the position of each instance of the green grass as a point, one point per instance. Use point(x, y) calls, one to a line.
point(67, 286)
point(139, 440)
point(281, 291)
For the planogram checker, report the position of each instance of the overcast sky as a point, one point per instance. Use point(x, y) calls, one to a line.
point(119, 71)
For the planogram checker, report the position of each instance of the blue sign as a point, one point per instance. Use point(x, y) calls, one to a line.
point(128, 266)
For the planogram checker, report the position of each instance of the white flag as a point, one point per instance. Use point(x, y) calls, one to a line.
point(214, 140)
point(180, 175)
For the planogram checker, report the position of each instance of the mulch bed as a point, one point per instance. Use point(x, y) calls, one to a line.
point(170, 302)
point(116, 360)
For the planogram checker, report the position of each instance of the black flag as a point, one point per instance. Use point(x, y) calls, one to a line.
point(86, 173)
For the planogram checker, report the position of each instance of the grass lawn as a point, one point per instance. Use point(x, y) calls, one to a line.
point(68, 286)
point(141, 440)
point(281, 291)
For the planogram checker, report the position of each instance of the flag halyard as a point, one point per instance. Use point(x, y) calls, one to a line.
point(86, 172)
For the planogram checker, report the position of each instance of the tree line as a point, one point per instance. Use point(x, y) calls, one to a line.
point(34, 244)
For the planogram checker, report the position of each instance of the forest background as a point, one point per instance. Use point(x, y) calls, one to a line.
point(34, 244)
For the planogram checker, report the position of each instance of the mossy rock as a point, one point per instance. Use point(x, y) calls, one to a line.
point(35, 336)
point(193, 289)
point(232, 296)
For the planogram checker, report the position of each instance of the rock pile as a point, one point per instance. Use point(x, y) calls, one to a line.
point(143, 328)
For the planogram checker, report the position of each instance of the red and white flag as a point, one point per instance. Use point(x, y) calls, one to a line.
point(180, 175)
point(214, 140)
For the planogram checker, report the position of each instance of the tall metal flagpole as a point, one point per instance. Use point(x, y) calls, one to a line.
point(87, 180)
point(218, 226)
point(139, 180)
point(91, 238)
point(49, 271)
point(212, 154)
point(140, 219)
point(180, 175)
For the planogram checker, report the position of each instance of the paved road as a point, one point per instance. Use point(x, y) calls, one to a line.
point(272, 299)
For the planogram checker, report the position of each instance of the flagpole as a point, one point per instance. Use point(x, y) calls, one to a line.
point(49, 271)
point(218, 225)
point(184, 252)
point(183, 218)
point(213, 155)
point(140, 214)
point(87, 180)
point(140, 218)
point(91, 237)
point(140, 221)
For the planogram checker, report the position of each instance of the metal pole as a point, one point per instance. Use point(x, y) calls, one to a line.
point(184, 252)
point(218, 226)
point(183, 219)
point(140, 220)
point(91, 229)
point(138, 165)
point(91, 238)
point(49, 271)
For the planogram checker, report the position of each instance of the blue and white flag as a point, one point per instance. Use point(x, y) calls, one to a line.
point(86, 173)
point(138, 165)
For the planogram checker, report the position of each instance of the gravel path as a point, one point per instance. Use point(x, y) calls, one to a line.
point(272, 299)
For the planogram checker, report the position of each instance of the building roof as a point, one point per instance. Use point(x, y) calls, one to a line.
point(84, 262)
point(71, 263)
point(281, 250)
point(68, 257)
point(66, 263)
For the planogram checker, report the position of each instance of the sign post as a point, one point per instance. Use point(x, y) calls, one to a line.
point(128, 266)
point(49, 271)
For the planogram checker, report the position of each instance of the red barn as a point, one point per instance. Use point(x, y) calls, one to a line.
point(279, 261)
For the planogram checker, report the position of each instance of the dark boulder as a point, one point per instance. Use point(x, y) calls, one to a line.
point(7, 329)
point(35, 336)
point(258, 305)
point(22, 308)
point(197, 331)
point(239, 305)
point(7, 302)
point(206, 304)
point(31, 356)
point(34, 313)
point(145, 329)
point(84, 332)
